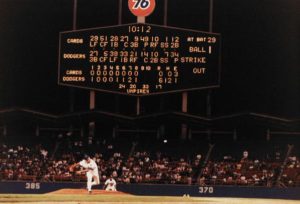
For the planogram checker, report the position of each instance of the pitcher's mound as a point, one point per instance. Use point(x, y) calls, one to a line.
point(84, 191)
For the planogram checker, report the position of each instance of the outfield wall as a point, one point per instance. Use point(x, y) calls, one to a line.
point(158, 190)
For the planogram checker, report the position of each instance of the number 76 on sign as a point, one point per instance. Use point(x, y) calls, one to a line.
point(141, 8)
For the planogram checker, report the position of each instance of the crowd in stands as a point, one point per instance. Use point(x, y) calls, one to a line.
point(38, 164)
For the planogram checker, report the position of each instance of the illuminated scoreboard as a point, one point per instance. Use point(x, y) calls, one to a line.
point(139, 59)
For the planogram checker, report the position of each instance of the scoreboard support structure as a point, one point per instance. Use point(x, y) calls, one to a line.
point(117, 97)
point(184, 109)
point(210, 24)
point(209, 93)
point(92, 93)
point(140, 19)
point(74, 25)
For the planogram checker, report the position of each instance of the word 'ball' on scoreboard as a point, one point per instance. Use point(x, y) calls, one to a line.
point(139, 59)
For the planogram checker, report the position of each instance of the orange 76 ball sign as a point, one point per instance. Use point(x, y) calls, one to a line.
point(141, 8)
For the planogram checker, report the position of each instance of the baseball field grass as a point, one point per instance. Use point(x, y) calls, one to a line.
point(89, 199)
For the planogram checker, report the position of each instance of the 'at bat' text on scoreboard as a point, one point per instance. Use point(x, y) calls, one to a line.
point(139, 59)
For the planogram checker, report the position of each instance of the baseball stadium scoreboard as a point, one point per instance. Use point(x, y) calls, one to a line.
point(139, 59)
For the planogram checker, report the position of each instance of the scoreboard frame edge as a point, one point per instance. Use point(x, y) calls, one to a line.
point(217, 85)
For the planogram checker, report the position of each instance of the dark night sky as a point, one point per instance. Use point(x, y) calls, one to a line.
point(260, 55)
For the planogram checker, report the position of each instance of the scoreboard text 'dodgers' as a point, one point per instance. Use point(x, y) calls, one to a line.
point(139, 59)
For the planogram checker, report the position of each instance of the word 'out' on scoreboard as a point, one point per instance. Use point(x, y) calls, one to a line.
point(139, 59)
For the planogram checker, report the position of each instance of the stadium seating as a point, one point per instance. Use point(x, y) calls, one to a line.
point(36, 163)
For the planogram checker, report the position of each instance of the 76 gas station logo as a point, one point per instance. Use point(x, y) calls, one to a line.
point(141, 4)
point(141, 7)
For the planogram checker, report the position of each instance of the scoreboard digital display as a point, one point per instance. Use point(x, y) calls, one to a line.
point(139, 59)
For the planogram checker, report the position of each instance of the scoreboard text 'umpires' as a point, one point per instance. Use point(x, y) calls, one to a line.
point(139, 59)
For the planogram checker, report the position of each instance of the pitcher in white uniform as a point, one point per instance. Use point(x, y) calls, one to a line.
point(91, 169)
